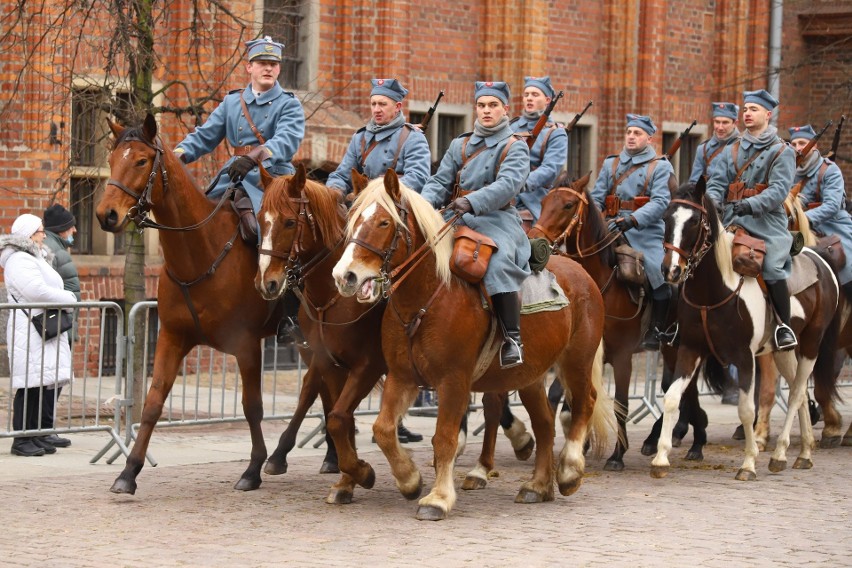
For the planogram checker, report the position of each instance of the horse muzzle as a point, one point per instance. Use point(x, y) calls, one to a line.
point(111, 221)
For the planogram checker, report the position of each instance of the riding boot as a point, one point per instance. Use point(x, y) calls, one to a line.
point(784, 337)
point(249, 229)
point(288, 328)
point(507, 306)
point(659, 311)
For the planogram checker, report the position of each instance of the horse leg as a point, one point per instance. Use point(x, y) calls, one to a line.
point(453, 396)
point(330, 460)
point(492, 405)
point(622, 368)
point(824, 392)
point(516, 431)
point(797, 376)
point(766, 400)
point(695, 415)
point(249, 361)
point(649, 446)
point(686, 367)
point(341, 427)
point(171, 350)
point(396, 398)
point(311, 385)
point(540, 487)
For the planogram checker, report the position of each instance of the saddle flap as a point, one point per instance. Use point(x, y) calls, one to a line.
point(631, 265)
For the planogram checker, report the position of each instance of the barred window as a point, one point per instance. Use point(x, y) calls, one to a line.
point(580, 151)
point(282, 20)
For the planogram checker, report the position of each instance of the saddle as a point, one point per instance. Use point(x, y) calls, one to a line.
point(249, 228)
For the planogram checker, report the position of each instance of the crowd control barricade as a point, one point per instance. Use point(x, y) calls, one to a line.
point(91, 402)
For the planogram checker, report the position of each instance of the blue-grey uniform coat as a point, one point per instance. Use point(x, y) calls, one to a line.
point(648, 234)
point(768, 221)
point(830, 216)
point(704, 158)
point(509, 265)
point(543, 168)
point(278, 116)
point(413, 164)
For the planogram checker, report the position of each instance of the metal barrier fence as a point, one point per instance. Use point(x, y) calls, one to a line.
point(91, 401)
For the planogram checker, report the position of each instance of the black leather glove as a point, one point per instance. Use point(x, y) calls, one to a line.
point(182, 157)
point(240, 168)
point(742, 207)
point(461, 205)
point(621, 224)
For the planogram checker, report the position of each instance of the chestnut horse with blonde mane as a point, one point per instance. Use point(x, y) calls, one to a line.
point(205, 296)
point(435, 332)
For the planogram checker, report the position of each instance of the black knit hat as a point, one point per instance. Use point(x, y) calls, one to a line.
point(58, 219)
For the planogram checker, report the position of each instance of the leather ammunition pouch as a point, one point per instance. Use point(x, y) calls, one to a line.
point(747, 254)
point(613, 204)
point(831, 250)
point(471, 254)
point(738, 191)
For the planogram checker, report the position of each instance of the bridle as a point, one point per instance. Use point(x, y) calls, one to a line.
point(138, 213)
point(702, 242)
point(576, 222)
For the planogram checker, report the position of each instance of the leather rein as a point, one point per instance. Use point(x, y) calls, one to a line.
point(577, 223)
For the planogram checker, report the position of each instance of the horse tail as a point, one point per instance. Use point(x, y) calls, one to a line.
point(715, 375)
point(602, 421)
point(826, 367)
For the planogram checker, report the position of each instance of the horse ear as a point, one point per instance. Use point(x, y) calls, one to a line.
point(392, 185)
point(149, 127)
point(700, 189)
point(359, 181)
point(583, 182)
point(265, 178)
point(116, 128)
point(294, 188)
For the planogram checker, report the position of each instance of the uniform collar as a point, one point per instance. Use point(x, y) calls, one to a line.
point(645, 155)
point(495, 138)
point(273, 93)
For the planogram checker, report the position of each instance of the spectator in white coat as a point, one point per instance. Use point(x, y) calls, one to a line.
point(36, 367)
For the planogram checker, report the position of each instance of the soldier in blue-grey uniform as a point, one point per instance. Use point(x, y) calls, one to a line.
point(548, 153)
point(823, 195)
point(386, 142)
point(479, 176)
point(725, 132)
point(632, 190)
point(754, 198)
point(270, 134)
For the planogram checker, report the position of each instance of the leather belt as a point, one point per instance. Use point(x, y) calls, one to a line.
point(243, 150)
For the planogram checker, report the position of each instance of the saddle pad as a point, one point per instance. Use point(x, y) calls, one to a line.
point(542, 293)
point(804, 273)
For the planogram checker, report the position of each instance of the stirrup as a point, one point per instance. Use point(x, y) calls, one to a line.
point(786, 346)
point(668, 336)
point(510, 342)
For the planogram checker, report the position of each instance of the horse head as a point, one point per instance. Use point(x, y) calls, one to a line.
point(300, 222)
point(386, 222)
point(563, 210)
point(691, 229)
point(138, 169)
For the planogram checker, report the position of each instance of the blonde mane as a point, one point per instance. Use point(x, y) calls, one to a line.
point(428, 220)
point(722, 252)
point(792, 203)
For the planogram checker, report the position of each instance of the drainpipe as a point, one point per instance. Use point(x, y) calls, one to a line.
point(775, 28)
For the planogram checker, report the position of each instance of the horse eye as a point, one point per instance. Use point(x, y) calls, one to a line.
point(290, 223)
point(142, 161)
point(384, 224)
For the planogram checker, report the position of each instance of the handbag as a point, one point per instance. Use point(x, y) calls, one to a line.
point(471, 253)
point(50, 323)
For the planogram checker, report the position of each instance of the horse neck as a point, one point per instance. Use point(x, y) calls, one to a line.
point(594, 264)
point(319, 285)
point(712, 288)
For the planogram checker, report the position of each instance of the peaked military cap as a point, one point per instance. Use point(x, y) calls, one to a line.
point(643, 122)
point(726, 110)
point(541, 83)
point(807, 132)
point(497, 89)
point(264, 49)
point(762, 98)
point(390, 88)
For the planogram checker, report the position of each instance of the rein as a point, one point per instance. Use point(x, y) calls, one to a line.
point(577, 223)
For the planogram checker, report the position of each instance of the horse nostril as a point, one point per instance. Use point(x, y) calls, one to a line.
point(112, 218)
point(350, 279)
point(272, 286)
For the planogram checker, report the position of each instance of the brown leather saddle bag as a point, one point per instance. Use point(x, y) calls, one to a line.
point(747, 254)
point(631, 265)
point(831, 250)
point(471, 254)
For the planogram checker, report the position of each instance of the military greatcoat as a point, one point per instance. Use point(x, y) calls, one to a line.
point(544, 165)
point(707, 154)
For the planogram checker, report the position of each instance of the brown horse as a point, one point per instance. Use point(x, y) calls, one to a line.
point(435, 332)
point(724, 319)
point(302, 229)
point(204, 296)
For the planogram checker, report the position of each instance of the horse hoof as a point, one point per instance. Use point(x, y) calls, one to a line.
point(246, 484)
point(570, 488)
point(614, 465)
point(528, 496)
point(745, 475)
point(416, 492)
point(648, 449)
point(761, 446)
point(430, 513)
point(695, 455)
point(524, 453)
point(273, 468)
point(472, 483)
point(329, 467)
point(339, 497)
point(123, 486)
point(830, 442)
point(659, 471)
point(739, 433)
point(847, 441)
point(777, 465)
point(803, 463)
point(676, 442)
point(370, 479)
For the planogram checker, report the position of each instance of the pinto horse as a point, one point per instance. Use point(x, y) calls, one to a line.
point(572, 224)
point(725, 319)
point(204, 296)
point(435, 332)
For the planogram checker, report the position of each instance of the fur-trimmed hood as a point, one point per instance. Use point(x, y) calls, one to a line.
point(10, 244)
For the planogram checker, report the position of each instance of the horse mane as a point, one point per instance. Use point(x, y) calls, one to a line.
point(324, 206)
point(792, 203)
point(428, 220)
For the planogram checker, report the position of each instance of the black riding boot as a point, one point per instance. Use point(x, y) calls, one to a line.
point(507, 306)
point(249, 229)
point(288, 328)
point(784, 337)
point(659, 311)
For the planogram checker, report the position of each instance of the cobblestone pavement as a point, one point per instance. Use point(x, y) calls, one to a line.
point(57, 510)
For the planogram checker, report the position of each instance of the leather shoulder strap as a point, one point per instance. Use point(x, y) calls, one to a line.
point(247, 116)
point(403, 136)
point(648, 175)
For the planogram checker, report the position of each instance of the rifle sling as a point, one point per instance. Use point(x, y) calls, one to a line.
point(247, 116)
point(626, 174)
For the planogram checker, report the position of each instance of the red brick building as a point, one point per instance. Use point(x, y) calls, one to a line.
point(665, 59)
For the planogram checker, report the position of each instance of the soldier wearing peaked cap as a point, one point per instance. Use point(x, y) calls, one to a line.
point(386, 142)
point(263, 123)
point(632, 190)
point(547, 156)
point(725, 132)
point(750, 181)
point(823, 195)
